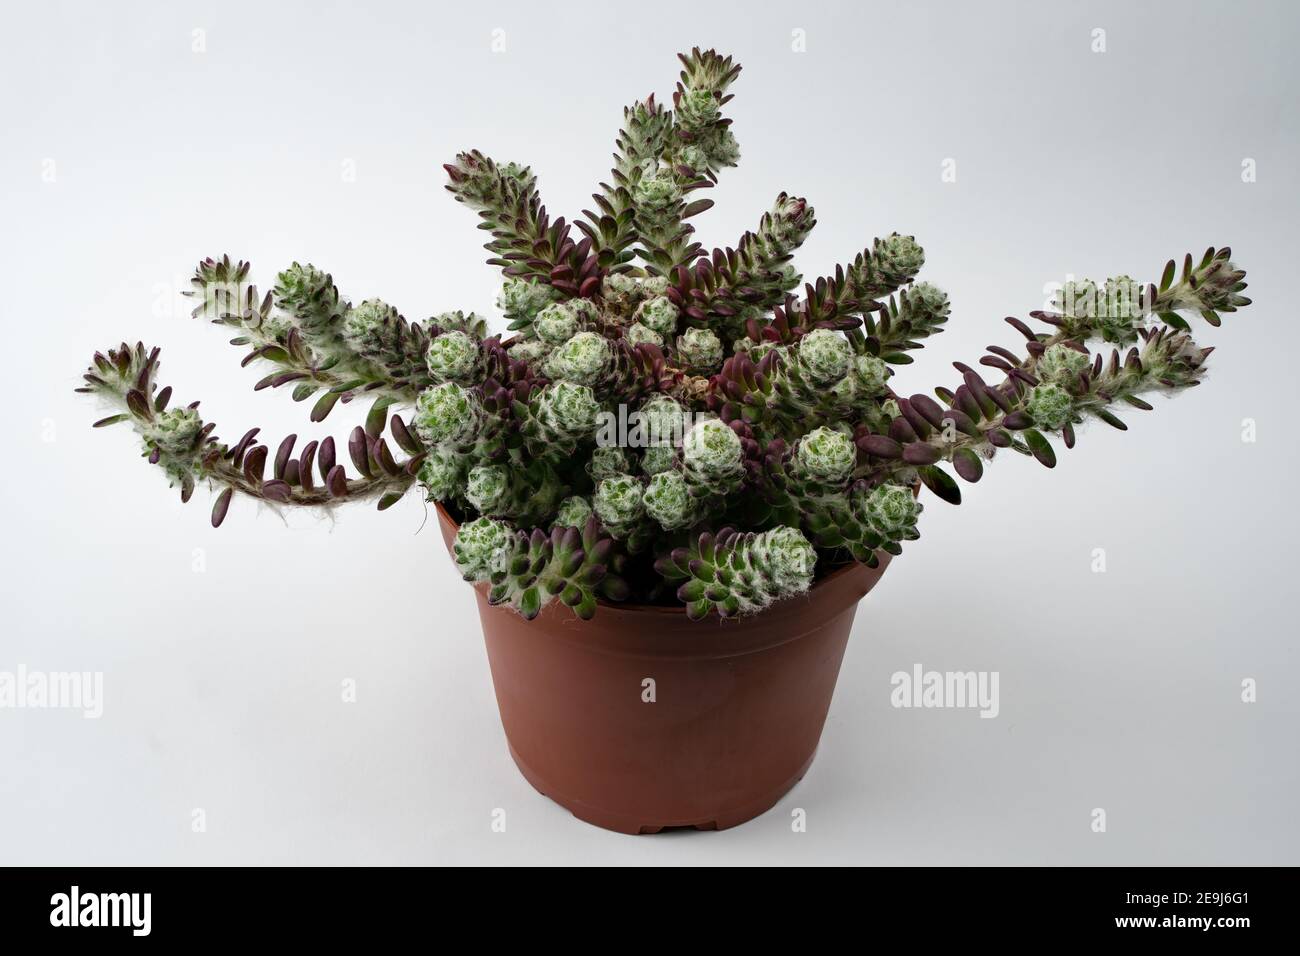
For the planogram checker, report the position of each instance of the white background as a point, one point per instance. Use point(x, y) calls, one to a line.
point(1118, 690)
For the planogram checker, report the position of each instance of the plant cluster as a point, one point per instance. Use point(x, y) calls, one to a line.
point(770, 443)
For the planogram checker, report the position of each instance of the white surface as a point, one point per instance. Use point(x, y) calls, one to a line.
point(1118, 690)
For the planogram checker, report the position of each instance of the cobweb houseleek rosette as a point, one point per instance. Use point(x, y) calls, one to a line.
point(839, 515)
point(737, 572)
point(529, 570)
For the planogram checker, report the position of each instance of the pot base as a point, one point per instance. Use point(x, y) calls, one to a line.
point(623, 823)
point(641, 720)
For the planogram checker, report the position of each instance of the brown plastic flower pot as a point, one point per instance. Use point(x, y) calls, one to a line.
point(732, 724)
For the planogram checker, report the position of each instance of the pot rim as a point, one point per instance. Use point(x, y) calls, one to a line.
point(679, 611)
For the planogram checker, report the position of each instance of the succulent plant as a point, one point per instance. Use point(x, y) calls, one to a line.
point(606, 462)
point(583, 359)
point(740, 572)
point(668, 500)
point(890, 511)
point(448, 414)
point(658, 458)
point(442, 473)
point(1049, 406)
point(824, 355)
point(640, 334)
point(1061, 363)
point(700, 350)
point(663, 421)
point(764, 444)
point(576, 565)
point(618, 503)
point(659, 315)
point(573, 512)
point(826, 456)
point(557, 323)
point(481, 547)
point(561, 416)
point(452, 357)
point(713, 457)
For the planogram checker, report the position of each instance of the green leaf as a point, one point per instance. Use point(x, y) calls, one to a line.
point(614, 588)
point(377, 418)
point(1111, 420)
point(323, 406)
point(348, 386)
point(1040, 446)
point(692, 590)
point(586, 608)
point(1174, 320)
point(941, 483)
point(530, 603)
point(1167, 279)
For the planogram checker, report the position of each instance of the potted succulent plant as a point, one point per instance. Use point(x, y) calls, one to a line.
point(675, 478)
